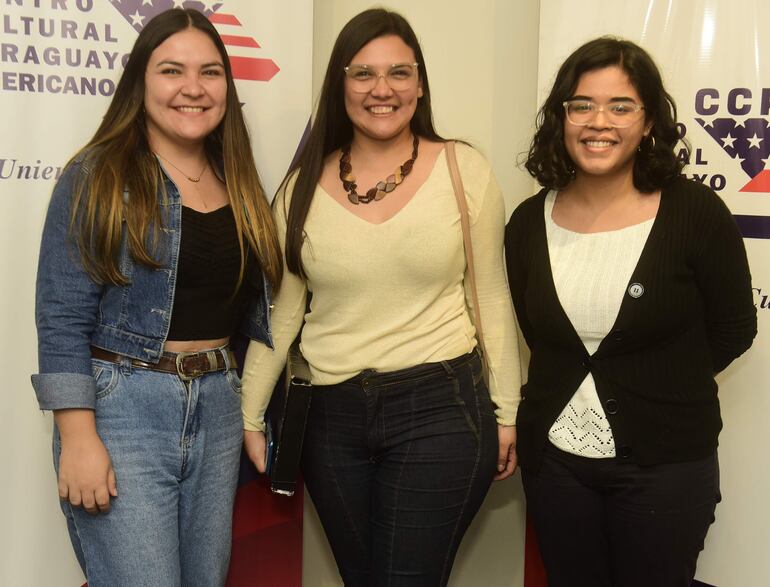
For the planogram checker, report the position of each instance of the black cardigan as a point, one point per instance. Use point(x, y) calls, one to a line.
point(654, 372)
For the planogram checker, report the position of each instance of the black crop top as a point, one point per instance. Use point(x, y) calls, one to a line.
point(207, 273)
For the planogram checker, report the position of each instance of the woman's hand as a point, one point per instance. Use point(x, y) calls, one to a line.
point(506, 455)
point(255, 445)
point(86, 477)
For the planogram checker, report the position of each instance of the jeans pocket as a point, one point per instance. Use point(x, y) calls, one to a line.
point(105, 376)
point(234, 381)
point(465, 398)
point(477, 369)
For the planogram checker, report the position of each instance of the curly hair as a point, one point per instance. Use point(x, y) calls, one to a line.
point(656, 163)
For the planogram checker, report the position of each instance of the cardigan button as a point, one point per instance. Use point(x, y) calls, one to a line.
point(624, 452)
point(611, 406)
point(586, 363)
point(618, 335)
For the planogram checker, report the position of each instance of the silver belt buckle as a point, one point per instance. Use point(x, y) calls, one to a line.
point(180, 357)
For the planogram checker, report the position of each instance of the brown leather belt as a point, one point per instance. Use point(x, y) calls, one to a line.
point(187, 365)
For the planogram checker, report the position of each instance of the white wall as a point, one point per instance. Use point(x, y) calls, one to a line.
point(482, 59)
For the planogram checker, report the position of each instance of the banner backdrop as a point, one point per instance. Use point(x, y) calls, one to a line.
point(714, 59)
point(59, 64)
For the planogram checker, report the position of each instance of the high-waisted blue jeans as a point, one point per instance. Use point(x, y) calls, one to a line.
point(175, 449)
point(397, 465)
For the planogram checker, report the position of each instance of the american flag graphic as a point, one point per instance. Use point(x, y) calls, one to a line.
point(245, 65)
point(747, 142)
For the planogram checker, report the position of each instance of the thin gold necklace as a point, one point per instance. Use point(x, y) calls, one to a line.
point(188, 177)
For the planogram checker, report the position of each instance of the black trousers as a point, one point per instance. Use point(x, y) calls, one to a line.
point(607, 522)
point(397, 465)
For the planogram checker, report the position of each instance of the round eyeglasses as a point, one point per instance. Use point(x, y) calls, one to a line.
point(363, 78)
point(619, 114)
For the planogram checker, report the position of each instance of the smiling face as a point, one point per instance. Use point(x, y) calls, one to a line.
point(382, 113)
point(598, 148)
point(185, 90)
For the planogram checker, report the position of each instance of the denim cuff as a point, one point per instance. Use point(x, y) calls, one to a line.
point(58, 391)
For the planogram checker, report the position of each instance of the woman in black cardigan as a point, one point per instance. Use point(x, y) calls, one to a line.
point(632, 289)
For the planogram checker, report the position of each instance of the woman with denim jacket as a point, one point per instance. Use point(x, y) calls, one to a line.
point(158, 246)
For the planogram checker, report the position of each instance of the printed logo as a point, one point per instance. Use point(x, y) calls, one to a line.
point(139, 12)
point(744, 136)
point(738, 120)
point(69, 47)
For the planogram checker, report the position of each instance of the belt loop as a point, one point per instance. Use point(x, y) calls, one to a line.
point(227, 356)
point(125, 365)
point(448, 368)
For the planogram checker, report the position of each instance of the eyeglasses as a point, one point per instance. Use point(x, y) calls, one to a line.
point(363, 78)
point(618, 114)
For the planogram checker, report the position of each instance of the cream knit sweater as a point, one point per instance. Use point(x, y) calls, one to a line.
point(389, 296)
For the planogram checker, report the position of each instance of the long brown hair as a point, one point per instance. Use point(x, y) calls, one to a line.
point(118, 159)
point(332, 128)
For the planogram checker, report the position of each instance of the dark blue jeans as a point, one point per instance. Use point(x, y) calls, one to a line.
point(397, 465)
point(613, 523)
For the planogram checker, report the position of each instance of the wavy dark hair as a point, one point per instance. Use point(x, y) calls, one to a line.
point(119, 157)
point(656, 164)
point(332, 129)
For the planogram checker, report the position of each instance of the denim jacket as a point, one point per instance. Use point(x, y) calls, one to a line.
point(73, 312)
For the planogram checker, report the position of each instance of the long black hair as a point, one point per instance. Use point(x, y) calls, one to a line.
point(656, 164)
point(332, 128)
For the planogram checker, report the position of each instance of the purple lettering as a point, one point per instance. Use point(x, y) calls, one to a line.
point(7, 28)
point(51, 56)
point(53, 84)
point(27, 22)
point(108, 34)
point(69, 29)
point(735, 96)
point(70, 87)
point(701, 107)
point(51, 27)
point(9, 81)
point(111, 58)
point(26, 82)
point(72, 57)
point(30, 56)
point(9, 52)
point(90, 32)
point(92, 59)
point(718, 182)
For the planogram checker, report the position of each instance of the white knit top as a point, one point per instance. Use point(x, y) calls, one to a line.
point(591, 272)
point(391, 295)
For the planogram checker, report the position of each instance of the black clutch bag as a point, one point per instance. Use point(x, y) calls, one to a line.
point(288, 428)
